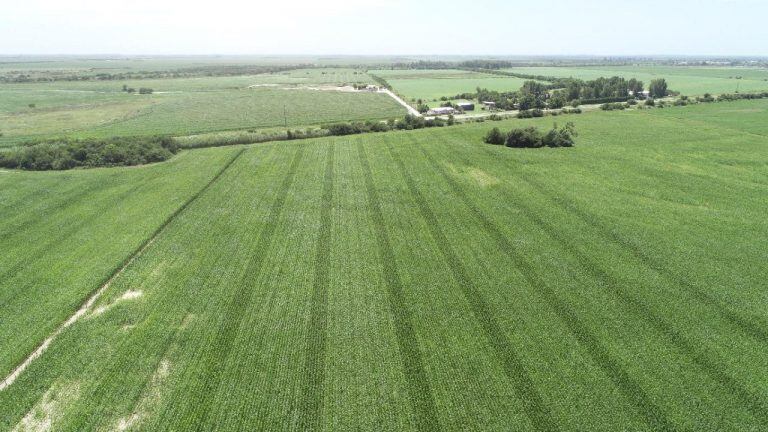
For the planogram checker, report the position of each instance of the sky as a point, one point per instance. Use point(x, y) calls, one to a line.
point(385, 27)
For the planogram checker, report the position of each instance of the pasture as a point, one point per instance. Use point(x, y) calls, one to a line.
point(184, 106)
point(431, 85)
point(691, 81)
point(415, 280)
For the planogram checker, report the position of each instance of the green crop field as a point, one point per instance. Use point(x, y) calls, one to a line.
point(691, 81)
point(184, 106)
point(415, 280)
point(430, 85)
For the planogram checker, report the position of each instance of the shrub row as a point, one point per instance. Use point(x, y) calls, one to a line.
point(740, 96)
point(67, 154)
point(597, 101)
point(615, 106)
point(409, 122)
point(246, 137)
point(530, 137)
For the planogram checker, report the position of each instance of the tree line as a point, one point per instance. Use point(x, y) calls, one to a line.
point(66, 154)
point(531, 137)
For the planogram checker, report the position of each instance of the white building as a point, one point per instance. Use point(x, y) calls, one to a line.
point(441, 111)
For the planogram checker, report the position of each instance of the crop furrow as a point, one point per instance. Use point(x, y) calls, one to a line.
point(749, 327)
point(707, 361)
point(94, 295)
point(48, 207)
point(537, 411)
point(235, 311)
point(419, 390)
point(629, 387)
point(310, 416)
point(64, 234)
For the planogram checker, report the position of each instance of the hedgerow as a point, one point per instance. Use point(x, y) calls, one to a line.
point(531, 137)
point(66, 154)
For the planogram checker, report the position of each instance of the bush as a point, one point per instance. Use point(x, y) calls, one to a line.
point(529, 137)
point(562, 137)
point(341, 129)
point(571, 111)
point(495, 137)
point(613, 106)
point(650, 102)
point(530, 113)
point(145, 90)
point(68, 154)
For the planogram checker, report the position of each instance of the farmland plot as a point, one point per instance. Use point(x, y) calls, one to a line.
point(692, 81)
point(425, 281)
point(430, 85)
point(186, 105)
point(62, 234)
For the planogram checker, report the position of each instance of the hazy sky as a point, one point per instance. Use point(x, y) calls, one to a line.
point(604, 27)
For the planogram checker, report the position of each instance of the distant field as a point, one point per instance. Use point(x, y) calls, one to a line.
point(185, 106)
point(429, 85)
point(403, 281)
point(690, 81)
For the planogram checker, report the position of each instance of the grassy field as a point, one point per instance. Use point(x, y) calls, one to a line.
point(429, 85)
point(403, 281)
point(186, 105)
point(691, 81)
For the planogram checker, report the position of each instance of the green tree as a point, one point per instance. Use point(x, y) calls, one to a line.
point(658, 88)
point(494, 136)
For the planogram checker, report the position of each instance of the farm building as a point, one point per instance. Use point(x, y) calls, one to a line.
point(466, 106)
point(489, 105)
point(441, 111)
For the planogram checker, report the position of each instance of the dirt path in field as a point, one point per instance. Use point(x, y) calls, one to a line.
point(88, 305)
point(73, 319)
point(411, 110)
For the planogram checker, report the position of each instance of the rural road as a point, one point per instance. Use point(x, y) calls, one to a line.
point(411, 110)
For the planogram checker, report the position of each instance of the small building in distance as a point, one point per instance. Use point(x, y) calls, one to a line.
point(441, 111)
point(466, 106)
point(489, 105)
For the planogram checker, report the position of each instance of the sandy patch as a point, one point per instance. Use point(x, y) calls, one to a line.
point(48, 410)
point(73, 319)
point(128, 295)
point(482, 178)
point(149, 400)
point(477, 175)
point(185, 322)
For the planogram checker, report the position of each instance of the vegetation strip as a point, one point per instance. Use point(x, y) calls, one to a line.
point(106, 284)
point(235, 311)
point(629, 387)
point(747, 326)
point(66, 233)
point(539, 414)
point(42, 213)
point(318, 322)
point(708, 361)
point(419, 390)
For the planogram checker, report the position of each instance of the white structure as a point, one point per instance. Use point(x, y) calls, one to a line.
point(441, 111)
